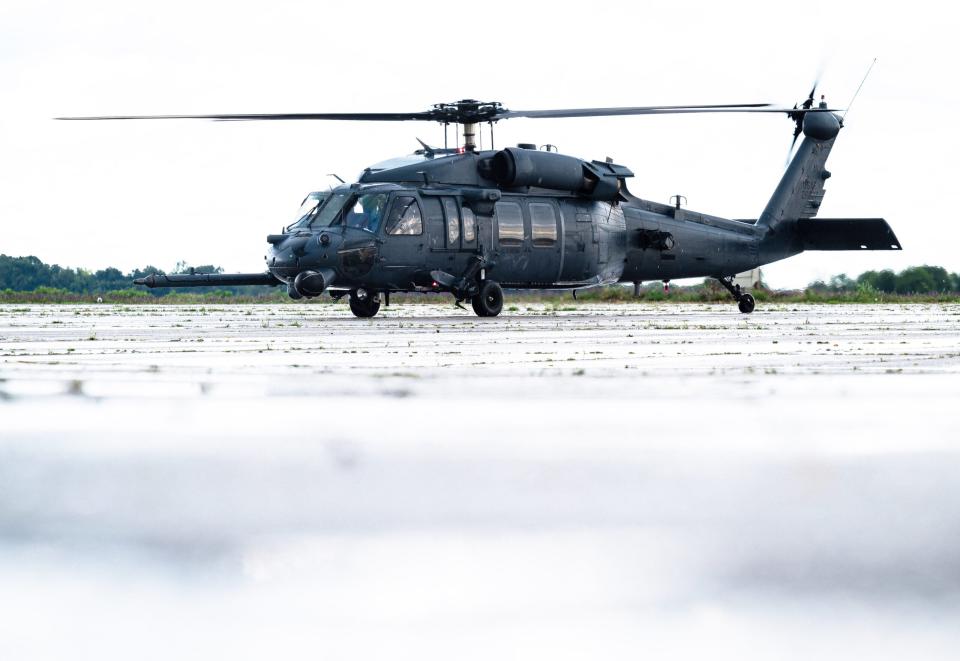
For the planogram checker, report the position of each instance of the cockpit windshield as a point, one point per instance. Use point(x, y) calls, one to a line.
point(346, 209)
point(330, 211)
point(341, 208)
point(307, 208)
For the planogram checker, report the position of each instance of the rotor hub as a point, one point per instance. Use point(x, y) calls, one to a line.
point(467, 111)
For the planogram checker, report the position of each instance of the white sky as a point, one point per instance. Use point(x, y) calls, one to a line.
point(126, 194)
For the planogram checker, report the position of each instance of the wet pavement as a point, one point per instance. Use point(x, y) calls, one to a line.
point(564, 481)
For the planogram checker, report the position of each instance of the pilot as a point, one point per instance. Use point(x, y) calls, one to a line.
point(374, 212)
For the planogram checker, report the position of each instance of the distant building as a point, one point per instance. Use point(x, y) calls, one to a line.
point(749, 279)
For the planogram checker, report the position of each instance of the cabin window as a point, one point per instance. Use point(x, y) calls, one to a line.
point(405, 217)
point(469, 225)
point(453, 222)
point(543, 224)
point(509, 224)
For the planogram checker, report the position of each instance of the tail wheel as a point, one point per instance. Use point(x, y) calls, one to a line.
point(364, 306)
point(489, 301)
point(746, 303)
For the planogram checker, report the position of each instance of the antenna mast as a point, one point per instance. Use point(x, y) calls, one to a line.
point(855, 94)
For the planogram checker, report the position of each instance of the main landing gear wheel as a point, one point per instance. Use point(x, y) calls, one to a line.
point(489, 301)
point(746, 304)
point(364, 304)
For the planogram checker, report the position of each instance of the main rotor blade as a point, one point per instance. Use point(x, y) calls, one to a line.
point(453, 116)
point(650, 110)
point(635, 110)
point(351, 116)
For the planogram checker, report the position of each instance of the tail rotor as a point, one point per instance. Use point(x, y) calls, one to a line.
point(797, 116)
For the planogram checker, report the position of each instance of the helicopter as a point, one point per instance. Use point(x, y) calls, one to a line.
point(470, 222)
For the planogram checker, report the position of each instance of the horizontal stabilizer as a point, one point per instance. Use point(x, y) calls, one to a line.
point(847, 234)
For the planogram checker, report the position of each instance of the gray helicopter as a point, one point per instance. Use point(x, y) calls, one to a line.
point(471, 222)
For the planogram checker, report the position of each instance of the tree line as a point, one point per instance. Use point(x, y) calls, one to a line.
point(913, 280)
point(24, 274)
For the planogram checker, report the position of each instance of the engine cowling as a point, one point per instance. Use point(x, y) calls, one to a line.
point(515, 168)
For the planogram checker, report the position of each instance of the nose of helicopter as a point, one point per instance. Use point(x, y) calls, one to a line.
point(293, 254)
point(284, 255)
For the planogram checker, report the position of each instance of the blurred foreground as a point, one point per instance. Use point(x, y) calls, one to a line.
point(591, 481)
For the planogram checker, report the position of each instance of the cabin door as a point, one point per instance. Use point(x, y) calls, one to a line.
point(405, 239)
point(545, 242)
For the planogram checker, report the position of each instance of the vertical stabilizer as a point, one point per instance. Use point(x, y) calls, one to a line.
point(801, 190)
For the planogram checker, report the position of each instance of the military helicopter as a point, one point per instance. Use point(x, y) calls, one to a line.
point(470, 222)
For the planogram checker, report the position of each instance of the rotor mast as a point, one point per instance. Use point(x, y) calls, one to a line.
point(470, 137)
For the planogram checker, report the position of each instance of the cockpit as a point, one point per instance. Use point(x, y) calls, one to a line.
point(342, 209)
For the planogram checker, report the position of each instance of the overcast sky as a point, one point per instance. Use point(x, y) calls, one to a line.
point(127, 194)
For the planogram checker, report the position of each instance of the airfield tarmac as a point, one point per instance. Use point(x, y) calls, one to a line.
point(564, 481)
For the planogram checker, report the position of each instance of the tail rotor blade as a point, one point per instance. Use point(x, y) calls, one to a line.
point(816, 84)
point(793, 144)
point(798, 114)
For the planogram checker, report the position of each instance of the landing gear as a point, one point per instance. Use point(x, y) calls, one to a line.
point(364, 304)
point(744, 301)
point(489, 301)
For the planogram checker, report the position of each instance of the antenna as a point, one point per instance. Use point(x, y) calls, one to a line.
point(855, 94)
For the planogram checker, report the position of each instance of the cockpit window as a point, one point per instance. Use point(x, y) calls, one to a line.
point(366, 212)
point(330, 210)
point(307, 209)
point(405, 217)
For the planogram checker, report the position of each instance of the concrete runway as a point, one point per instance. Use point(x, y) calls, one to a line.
point(571, 481)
